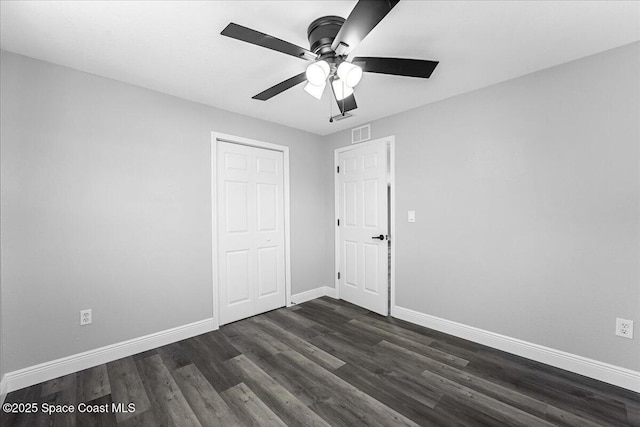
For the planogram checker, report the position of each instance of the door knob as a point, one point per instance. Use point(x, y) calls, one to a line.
point(381, 237)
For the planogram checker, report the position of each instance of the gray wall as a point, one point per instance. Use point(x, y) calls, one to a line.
point(1, 339)
point(106, 204)
point(527, 197)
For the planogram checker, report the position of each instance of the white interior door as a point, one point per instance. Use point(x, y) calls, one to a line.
point(362, 212)
point(251, 260)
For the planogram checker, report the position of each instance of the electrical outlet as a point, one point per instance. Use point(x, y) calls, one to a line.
point(624, 328)
point(85, 317)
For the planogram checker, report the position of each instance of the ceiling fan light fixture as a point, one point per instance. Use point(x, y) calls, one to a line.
point(341, 90)
point(349, 73)
point(315, 91)
point(318, 72)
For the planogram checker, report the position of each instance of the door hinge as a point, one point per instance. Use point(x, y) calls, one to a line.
point(338, 222)
point(338, 275)
point(337, 169)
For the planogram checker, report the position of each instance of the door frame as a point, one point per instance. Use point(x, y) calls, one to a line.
point(222, 137)
point(391, 143)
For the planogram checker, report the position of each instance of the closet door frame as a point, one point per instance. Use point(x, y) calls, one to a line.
point(221, 137)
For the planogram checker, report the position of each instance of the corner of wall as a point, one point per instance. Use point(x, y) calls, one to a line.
point(321, 291)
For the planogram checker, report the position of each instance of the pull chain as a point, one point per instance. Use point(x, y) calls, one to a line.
point(330, 111)
point(342, 97)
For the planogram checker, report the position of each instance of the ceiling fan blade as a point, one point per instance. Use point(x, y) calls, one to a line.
point(280, 87)
point(396, 66)
point(346, 104)
point(362, 19)
point(248, 35)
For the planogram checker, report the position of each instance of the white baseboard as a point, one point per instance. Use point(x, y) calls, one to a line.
point(46, 371)
point(3, 389)
point(307, 295)
point(313, 294)
point(621, 377)
point(330, 292)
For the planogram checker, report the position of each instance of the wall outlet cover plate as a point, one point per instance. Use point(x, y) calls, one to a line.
point(624, 328)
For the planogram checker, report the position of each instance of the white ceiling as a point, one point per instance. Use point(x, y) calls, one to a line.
point(176, 47)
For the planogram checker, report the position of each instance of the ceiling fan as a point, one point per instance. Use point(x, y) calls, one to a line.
point(331, 40)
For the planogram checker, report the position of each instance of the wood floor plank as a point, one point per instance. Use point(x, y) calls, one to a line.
point(165, 396)
point(462, 352)
point(288, 376)
point(127, 387)
point(93, 383)
point(329, 362)
point(437, 336)
point(369, 410)
point(208, 406)
point(566, 395)
point(389, 329)
point(344, 349)
point(381, 364)
point(58, 384)
point(503, 394)
point(249, 408)
point(337, 413)
point(293, 318)
point(459, 414)
point(249, 332)
point(348, 310)
point(566, 378)
point(633, 413)
point(173, 356)
point(355, 333)
point(286, 405)
point(417, 343)
point(20, 418)
point(507, 414)
point(62, 397)
point(214, 371)
point(219, 347)
point(332, 320)
point(95, 418)
point(388, 390)
point(304, 347)
point(339, 324)
point(296, 324)
point(145, 354)
point(147, 418)
point(250, 348)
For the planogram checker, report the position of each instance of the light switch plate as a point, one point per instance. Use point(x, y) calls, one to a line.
point(411, 216)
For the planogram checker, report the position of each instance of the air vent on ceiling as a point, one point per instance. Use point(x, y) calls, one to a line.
point(340, 116)
point(361, 134)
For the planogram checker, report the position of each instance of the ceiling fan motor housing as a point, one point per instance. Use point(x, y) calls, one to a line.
point(322, 32)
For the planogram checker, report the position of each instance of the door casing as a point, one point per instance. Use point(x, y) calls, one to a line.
point(390, 140)
point(215, 137)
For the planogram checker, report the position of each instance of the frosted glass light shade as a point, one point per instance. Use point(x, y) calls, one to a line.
point(318, 72)
point(315, 91)
point(349, 73)
point(341, 90)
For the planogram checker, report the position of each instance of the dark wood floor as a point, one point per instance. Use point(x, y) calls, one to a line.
point(327, 362)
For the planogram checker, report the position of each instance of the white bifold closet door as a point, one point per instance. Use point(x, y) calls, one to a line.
point(251, 255)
